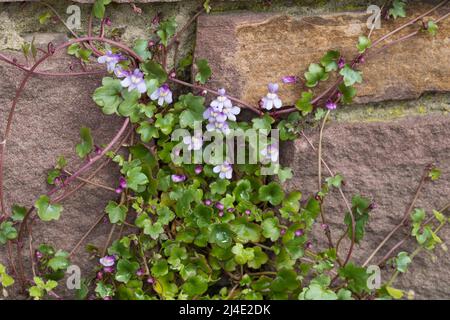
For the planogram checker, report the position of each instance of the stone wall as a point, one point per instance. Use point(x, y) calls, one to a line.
point(380, 147)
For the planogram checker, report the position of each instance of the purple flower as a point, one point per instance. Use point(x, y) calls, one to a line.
point(221, 101)
point(107, 298)
point(119, 190)
point(208, 202)
point(108, 261)
point(324, 226)
point(108, 269)
point(308, 245)
point(194, 143)
point(231, 112)
point(120, 73)
point(97, 150)
point(99, 275)
point(110, 59)
point(211, 115)
point(220, 213)
point(178, 178)
point(270, 152)
point(248, 212)
point(341, 63)
point(218, 126)
point(283, 232)
point(331, 105)
point(219, 206)
point(163, 95)
point(299, 233)
point(140, 272)
point(122, 182)
point(231, 209)
point(289, 79)
point(225, 170)
point(39, 255)
point(150, 280)
point(271, 99)
point(198, 169)
point(134, 80)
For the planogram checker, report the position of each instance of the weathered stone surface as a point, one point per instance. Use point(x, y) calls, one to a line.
point(383, 160)
point(248, 50)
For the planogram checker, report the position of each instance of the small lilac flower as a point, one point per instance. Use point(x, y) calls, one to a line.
point(271, 99)
point(108, 21)
point(308, 245)
point(150, 280)
point(219, 206)
point(111, 59)
point(221, 101)
point(140, 272)
point(373, 206)
point(194, 143)
point(248, 212)
point(178, 178)
point(231, 112)
point(108, 269)
point(97, 150)
point(324, 226)
point(283, 232)
point(121, 73)
point(299, 233)
point(162, 94)
point(361, 59)
point(119, 190)
point(231, 209)
point(218, 126)
point(108, 261)
point(331, 105)
point(270, 153)
point(289, 79)
point(212, 115)
point(341, 63)
point(135, 80)
point(220, 213)
point(107, 298)
point(225, 170)
point(122, 182)
point(39, 255)
point(99, 275)
point(198, 169)
point(208, 202)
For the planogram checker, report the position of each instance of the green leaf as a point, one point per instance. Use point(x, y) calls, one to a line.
point(141, 48)
point(432, 28)
point(47, 211)
point(153, 229)
point(116, 212)
point(165, 123)
point(166, 30)
point(135, 178)
point(364, 43)
point(195, 286)
point(7, 232)
point(328, 61)
point(286, 280)
point(87, 143)
point(221, 235)
point(418, 215)
point(264, 122)
point(284, 174)
point(242, 255)
point(108, 95)
point(219, 186)
point(271, 229)
point(315, 74)
point(154, 71)
point(360, 209)
point(394, 293)
point(304, 103)
point(348, 93)
point(356, 277)
point(434, 174)
point(126, 270)
point(99, 8)
point(203, 71)
point(259, 258)
point(18, 212)
point(350, 76)
point(398, 9)
point(335, 181)
point(147, 131)
point(165, 215)
point(402, 261)
point(160, 268)
point(203, 215)
point(60, 261)
point(272, 193)
point(43, 18)
point(245, 231)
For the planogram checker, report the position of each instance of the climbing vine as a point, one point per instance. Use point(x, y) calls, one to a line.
point(187, 229)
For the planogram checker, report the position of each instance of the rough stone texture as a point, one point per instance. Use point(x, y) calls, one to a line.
point(383, 160)
point(255, 49)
